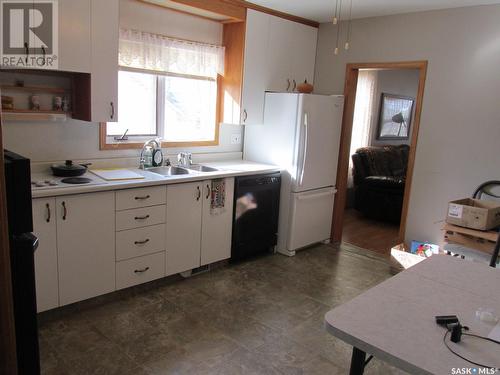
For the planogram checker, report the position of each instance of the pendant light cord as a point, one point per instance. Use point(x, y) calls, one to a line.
point(338, 27)
point(349, 28)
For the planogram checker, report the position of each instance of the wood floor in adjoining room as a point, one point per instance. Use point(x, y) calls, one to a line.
point(369, 234)
point(264, 316)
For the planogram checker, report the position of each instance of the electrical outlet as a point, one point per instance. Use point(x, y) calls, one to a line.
point(235, 139)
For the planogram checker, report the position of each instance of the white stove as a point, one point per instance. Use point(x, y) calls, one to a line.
point(43, 181)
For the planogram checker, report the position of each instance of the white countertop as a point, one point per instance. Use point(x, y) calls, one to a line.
point(226, 168)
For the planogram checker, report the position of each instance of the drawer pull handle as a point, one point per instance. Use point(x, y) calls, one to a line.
point(141, 271)
point(141, 217)
point(199, 193)
point(48, 213)
point(208, 192)
point(142, 198)
point(65, 211)
point(142, 242)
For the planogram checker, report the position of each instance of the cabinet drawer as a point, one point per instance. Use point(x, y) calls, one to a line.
point(140, 270)
point(138, 242)
point(144, 197)
point(140, 217)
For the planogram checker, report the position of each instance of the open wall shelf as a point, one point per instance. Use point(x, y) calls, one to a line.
point(41, 89)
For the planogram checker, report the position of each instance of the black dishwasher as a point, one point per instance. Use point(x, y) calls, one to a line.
point(255, 216)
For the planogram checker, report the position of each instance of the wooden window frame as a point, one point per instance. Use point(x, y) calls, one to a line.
point(103, 137)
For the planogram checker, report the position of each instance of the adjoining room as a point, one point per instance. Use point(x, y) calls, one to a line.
point(249, 187)
point(380, 142)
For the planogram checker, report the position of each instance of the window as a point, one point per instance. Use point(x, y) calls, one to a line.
point(189, 109)
point(137, 111)
point(166, 88)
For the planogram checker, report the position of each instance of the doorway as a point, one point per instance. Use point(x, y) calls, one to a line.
point(383, 103)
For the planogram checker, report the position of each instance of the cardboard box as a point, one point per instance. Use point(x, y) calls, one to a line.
point(402, 259)
point(474, 213)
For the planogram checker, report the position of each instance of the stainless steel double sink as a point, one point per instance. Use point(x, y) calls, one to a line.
point(176, 171)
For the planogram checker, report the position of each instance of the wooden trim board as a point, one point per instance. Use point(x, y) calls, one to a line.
point(8, 359)
point(103, 145)
point(233, 39)
point(235, 10)
point(276, 13)
point(351, 80)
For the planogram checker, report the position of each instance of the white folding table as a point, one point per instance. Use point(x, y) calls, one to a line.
point(395, 320)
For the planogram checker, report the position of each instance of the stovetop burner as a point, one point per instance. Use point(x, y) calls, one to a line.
point(76, 180)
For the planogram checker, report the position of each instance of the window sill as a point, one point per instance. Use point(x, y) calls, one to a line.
point(108, 143)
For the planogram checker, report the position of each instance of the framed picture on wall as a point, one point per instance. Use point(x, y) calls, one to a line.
point(395, 117)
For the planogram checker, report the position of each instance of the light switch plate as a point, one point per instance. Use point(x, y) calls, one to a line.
point(235, 139)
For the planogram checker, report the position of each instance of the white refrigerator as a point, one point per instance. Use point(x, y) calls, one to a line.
point(301, 134)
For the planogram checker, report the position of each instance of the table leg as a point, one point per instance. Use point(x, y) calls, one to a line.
point(357, 362)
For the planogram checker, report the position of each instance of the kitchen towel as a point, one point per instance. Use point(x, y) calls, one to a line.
point(218, 197)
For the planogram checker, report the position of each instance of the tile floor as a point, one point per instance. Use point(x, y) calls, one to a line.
point(264, 316)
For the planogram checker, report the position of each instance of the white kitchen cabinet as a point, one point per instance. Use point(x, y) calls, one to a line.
point(140, 270)
point(279, 54)
point(303, 58)
point(140, 197)
point(141, 241)
point(44, 227)
point(140, 217)
point(196, 235)
point(104, 64)
point(74, 36)
point(86, 245)
point(255, 72)
point(183, 235)
point(216, 225)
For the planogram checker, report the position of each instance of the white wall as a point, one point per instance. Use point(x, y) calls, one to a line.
point(79, 140)
point(397, 82)
point(459, 136)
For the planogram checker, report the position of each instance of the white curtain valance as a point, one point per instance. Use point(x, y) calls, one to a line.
point(147, 51)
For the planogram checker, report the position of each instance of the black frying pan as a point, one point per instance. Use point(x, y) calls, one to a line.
point(68, 169)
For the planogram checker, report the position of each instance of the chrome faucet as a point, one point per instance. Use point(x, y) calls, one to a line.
point(185, 159)
point(154, 147)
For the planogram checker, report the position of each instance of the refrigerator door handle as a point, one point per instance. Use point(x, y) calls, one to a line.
point(304, 156)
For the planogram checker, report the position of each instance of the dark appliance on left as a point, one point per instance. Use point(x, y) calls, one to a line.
point(22, 248)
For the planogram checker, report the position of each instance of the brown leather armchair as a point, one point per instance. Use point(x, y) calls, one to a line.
point(379, 176)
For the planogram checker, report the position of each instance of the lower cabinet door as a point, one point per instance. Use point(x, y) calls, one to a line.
point(44, 227)
point(183, 234)
point(86, 245)
point(216, 224)
point(140, 270)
